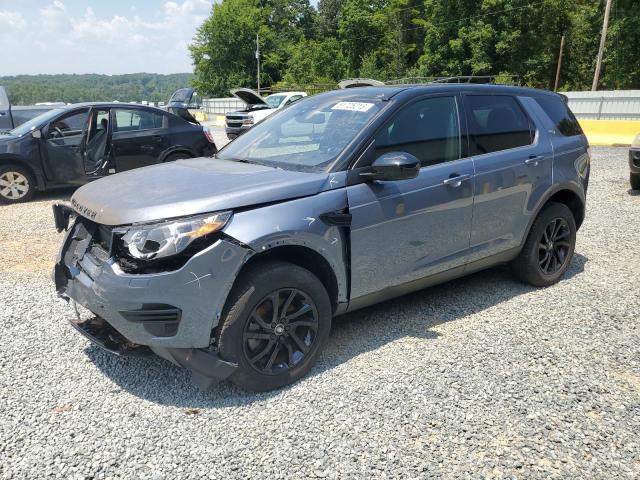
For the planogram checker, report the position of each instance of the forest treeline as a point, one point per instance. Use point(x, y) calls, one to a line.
point(382, 39)
point(30, 89)
point(390, 39)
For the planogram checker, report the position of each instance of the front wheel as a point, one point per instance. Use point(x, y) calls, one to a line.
point(547, 253)
point(16, 184)
point(276, 321)
point(634, 180)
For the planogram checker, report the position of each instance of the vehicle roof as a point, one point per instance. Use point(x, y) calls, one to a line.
point(288, 93)
point(111, 105)
point(389, 91)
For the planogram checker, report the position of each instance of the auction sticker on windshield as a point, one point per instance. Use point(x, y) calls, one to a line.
point(352, 106)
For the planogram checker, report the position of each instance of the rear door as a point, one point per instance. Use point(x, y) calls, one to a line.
point(407, 230)
point(64, 139)
point(139, 137)
point(513, 161)
point(5, 111)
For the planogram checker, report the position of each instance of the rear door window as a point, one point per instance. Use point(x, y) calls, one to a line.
point(496, 122)
point(559, 113)
point(132, 120)
point(427, 129)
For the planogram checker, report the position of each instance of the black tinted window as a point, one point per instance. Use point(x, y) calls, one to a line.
point(496, 122)
point(127, 120)
point(560, 115)
point(427, 129)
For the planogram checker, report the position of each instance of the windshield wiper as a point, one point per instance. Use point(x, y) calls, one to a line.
point(245, 160)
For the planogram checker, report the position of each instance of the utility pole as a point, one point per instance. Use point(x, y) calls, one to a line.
point(555, 87)
point(605, 25)
point(258, 58)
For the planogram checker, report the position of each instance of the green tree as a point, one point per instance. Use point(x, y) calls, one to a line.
point(315, 61)
point(223, 50)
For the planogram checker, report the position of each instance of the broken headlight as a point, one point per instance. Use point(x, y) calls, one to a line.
point(159, 240)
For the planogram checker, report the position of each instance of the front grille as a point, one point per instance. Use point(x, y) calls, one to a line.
point(103, 236)
point(235, 121)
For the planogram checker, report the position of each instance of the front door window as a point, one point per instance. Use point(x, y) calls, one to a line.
point(69, 128)
point(427, 129)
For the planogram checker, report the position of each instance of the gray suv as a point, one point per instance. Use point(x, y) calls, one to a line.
point(235, 268)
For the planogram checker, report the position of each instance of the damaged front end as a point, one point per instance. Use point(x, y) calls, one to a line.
point(156, 287)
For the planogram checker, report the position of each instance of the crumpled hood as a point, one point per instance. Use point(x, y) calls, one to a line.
point(188, 187)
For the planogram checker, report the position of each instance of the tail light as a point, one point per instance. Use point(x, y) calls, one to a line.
point(207, 133)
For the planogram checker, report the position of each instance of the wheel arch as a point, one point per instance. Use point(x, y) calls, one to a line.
point(6, 160)
point(571, 200)
point(177, 149)
point(301, 256)
point(567, 194)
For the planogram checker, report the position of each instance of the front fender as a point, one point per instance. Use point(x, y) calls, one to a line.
point(297, 222)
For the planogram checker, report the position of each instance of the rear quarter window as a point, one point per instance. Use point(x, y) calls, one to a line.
point(559, 113)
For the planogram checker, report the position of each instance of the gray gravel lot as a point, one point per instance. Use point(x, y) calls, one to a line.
point(481, 377)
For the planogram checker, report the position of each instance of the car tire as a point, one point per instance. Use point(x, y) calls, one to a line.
point(176, 156)
point(274, 351)
point(549, 247)
point(634, 180)
point(17, 184)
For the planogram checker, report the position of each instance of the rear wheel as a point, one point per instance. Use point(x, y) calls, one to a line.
point(547, 253)
point(634, 179)
point(16, 184)
point(275, 324)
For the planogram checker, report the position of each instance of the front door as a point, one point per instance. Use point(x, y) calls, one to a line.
point(139, 137)
point(513, 162)
point(407, 230)
point(63, 147)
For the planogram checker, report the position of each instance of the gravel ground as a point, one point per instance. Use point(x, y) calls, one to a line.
point(481, 377)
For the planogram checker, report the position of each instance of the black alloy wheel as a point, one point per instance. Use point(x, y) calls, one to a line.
point(554, 246)
point(275, 322)
point(281, 330)
point(548, 248)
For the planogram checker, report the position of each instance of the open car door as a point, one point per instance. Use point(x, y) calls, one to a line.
point(64, 141)
point(5, 111)
point(181, 102)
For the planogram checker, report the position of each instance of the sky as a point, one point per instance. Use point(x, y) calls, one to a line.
point(98, 36)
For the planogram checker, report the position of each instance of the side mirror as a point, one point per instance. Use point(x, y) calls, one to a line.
point(394, 166)
point(36, 133)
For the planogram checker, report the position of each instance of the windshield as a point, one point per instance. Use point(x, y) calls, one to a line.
point(307, 136)
point(36, 122)
point(274, 101)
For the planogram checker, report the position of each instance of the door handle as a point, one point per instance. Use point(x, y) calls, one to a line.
point(157, 138)
point(534, 160)
point(456, 180)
